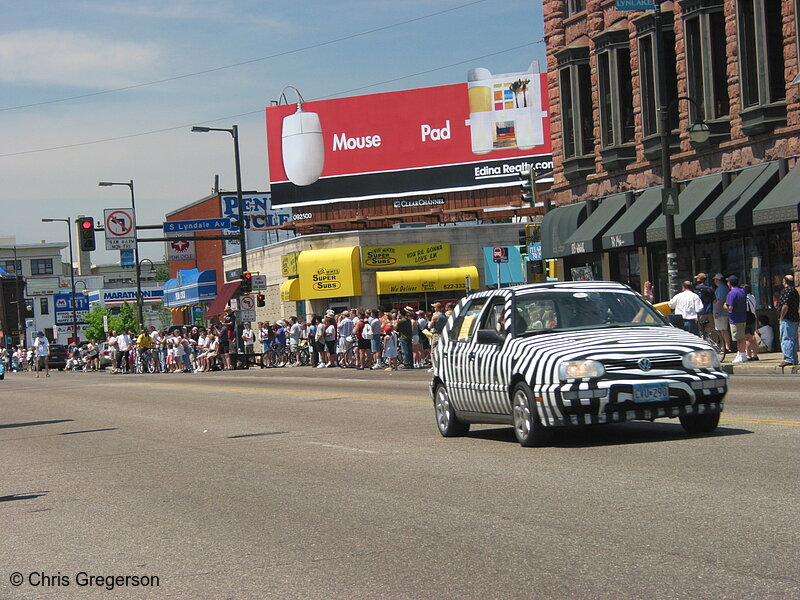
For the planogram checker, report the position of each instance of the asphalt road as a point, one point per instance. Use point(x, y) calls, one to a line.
point(328, 484)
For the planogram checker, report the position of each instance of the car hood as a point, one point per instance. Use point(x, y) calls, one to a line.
point(611, 343)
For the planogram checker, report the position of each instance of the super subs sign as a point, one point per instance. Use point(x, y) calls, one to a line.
point(471, 135)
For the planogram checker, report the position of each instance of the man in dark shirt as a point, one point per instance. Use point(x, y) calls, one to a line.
point(404, 334)
point(736, 305)
point(787, 306)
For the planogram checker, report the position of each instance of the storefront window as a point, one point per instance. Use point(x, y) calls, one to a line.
point(732, 252)
point(772, 260)
point(625, 268)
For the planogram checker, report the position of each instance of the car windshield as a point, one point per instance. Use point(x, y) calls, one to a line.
point(553, 310)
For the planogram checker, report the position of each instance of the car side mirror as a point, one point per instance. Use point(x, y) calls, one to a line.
point(489, 336)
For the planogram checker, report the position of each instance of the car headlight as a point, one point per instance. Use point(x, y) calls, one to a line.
point(701, 359)
point(581, 369)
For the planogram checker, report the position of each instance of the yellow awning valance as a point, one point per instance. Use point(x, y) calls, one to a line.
point(290, 290)
point(426, 280)
point(329, 273)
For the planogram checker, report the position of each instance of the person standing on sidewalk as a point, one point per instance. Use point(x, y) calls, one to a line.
point(787, 306)
point(404, 334)
point(736, 305)
point(688, 305)
point(721, 316)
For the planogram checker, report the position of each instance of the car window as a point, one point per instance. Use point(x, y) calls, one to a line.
point(465, 325)
point(494, 317)
point(570, 310)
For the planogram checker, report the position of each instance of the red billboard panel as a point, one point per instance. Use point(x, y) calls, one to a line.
point(470, 135)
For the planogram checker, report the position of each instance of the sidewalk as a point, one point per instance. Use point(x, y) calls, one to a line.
point(767, 363)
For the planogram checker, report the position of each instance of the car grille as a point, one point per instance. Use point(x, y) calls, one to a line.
point(658, 363)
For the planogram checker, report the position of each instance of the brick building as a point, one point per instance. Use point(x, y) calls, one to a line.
point(737, 64)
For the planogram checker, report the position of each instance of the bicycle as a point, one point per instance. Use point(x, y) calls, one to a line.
point(712, 336)
point(276, 356)
point(144, 362)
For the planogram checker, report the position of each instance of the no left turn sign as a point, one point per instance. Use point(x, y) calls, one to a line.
point(120, 226)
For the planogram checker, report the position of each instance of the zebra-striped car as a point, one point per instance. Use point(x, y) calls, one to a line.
point(564, 354)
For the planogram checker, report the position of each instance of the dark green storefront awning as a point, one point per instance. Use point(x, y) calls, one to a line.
point(733, 208)
point(587, 238)
point(557, 225)
point(630, 229)
point(782, 204)
point(692, 202)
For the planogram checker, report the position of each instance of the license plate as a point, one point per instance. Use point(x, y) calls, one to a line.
point(651, 392)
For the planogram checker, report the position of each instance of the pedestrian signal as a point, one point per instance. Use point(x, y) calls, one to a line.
point(261, 300)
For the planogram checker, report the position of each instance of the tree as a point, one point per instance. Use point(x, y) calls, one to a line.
point(126, 319)
point(162, 273)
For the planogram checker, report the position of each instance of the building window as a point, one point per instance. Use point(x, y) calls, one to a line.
point(573, 7)
point(761, 65)
point(616, 97)
point(649, 81)
point(44, 307)
point(577, 118)
point(12, 267)
point(42, 266)
point(707, 65)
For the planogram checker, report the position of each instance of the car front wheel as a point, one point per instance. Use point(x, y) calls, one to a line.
point(528, 429)
point(446, 420)
point(700, 423)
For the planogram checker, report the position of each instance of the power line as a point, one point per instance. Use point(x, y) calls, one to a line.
point(261, 110)
point(244, 62)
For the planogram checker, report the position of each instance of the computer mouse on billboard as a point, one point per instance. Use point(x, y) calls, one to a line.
point(302, 147)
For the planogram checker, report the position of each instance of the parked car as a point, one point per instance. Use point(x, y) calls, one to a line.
point(545, 356)
point(105, 354)
point(58, 357)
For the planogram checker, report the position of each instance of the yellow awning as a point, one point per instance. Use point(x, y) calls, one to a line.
point(290, 290)
point(426, 280)
point(329, 273)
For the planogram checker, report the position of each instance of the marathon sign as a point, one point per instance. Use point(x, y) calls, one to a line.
point(120, 295)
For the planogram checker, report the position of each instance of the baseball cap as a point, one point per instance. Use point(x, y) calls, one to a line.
point(40, 333)
point(733, 279)
point(719, 276)
point(409, 309)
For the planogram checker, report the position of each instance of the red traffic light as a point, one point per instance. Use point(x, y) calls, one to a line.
point(247, 275)
point(86, 224)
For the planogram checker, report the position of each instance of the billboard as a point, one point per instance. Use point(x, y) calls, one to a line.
point(471, 135)
point(63, 308)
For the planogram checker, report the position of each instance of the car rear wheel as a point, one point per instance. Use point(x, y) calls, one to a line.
point(700, 423)
point(528, 429)
point(446, 420)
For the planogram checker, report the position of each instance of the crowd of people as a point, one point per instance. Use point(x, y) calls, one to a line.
point(359, 338)
point(730, 308)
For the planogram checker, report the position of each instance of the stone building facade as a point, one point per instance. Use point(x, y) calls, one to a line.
point(737, 61)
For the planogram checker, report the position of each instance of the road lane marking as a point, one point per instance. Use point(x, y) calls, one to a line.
point(335, 447)
point(290, 392)
point(761, 421)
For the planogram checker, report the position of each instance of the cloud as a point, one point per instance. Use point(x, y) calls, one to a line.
point(52, 56)
point(184, 10)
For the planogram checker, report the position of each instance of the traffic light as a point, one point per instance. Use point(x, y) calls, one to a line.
point(551, 269)
point(261, 300)
point(523, 241)
point(86, 234)
point(528, 193)
point(247, 282)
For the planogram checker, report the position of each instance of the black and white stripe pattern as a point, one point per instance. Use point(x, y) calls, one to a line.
point(480, 376)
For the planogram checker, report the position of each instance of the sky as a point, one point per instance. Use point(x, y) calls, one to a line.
point(107, 90)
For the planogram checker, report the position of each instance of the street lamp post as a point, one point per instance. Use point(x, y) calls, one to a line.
point(23, 333)
point(699, 134)
point(139, 299)
point(68, 221)
point(234, 131)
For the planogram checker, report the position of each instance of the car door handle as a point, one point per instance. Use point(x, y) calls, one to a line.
point(471, 356)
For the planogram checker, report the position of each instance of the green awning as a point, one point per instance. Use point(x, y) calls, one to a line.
point(733, 208)
point(558, 224)
point(782, 204)
point(630, 229)
point(587, 238)
point(692, 202)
